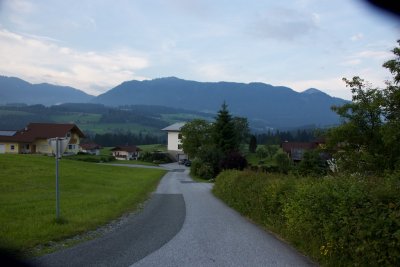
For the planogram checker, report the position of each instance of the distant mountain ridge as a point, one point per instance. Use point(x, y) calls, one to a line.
point(271, 106)
point(265, 106)
point(15, 90)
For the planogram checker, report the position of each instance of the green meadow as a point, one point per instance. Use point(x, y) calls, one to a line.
point(90, 196)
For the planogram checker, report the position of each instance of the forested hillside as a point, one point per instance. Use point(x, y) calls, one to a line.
point(15, 90)
point(265, 106)
point(98, 119)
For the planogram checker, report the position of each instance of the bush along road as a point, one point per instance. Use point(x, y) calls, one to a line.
point(183, 224)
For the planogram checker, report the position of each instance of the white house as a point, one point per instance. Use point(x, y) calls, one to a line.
point(175, 140)
point(126, 152)
point(91, 149)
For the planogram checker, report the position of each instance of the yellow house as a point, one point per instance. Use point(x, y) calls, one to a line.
point(6, 145)
point(34, 138)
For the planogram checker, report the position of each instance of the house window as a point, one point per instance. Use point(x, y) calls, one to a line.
point(68, 134)
point(71, 147)
point(179, 146)
point(12, 147)
point(180, 136)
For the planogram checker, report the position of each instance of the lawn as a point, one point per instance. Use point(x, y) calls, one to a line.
point(91, 195)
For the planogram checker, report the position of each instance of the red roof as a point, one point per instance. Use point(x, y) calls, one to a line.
point(90, 146)
point(36, 131)
point(126, 148)
point(289, 146)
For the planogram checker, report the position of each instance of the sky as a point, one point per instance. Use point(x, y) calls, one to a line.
point(94, 45)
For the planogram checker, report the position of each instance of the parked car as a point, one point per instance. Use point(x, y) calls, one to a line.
point(188, 163)
point(182, 161)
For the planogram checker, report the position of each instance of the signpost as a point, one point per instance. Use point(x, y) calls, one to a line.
point(58, 146)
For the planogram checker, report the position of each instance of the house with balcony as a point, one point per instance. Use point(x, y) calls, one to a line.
point(34, 138)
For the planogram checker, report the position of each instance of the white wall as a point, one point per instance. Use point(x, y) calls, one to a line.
point(173, 141)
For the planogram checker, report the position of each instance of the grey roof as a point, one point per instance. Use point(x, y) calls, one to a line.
point(7, 133)
point(176, 127)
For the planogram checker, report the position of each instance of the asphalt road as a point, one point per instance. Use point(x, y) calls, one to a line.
point(183, 224)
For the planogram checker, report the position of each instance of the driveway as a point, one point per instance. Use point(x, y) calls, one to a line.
point(183, 224)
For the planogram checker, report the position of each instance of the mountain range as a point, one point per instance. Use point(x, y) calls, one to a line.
point(273, 106)
point(15, 90)
point(266, 106)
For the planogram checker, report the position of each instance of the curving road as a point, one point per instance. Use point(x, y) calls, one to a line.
point(183, 224)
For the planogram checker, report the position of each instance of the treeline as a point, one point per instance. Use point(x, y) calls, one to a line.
point(115, 139)
point(277, 137)
point(124, 116)
point(156, 111)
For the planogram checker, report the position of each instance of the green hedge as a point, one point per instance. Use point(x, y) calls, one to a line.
point(91, 158)
point(341, 221)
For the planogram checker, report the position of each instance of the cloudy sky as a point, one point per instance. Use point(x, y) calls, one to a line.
point(94, 45)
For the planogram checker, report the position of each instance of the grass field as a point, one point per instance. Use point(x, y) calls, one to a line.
point(152, 148)
point(91, 195)
point(103, 128)
point(13, 112)
point(77, 117)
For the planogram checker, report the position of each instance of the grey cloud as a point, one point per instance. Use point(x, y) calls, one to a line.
point(284, 24)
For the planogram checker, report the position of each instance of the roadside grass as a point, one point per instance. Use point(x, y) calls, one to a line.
point(200, 180)
point(90, 196)
point(132, 162)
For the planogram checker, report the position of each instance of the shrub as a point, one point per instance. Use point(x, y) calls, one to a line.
point(283, 162)
point(312, 164)
point(341, 221)
point(155, 157)
point(91, 158)
point(202, 169)
point(234, 160)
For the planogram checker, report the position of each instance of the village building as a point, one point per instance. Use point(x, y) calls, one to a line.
point(296, 150)
point(91, 149)
point(34, 138)
point(126, 152)
point(174, 140)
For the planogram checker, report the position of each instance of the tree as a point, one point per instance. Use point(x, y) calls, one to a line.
point(271, 150)
point(262, 152)
point(215, 145)
point(283, 162)
point(369, 138)
point(234, 160)
point(253, 144)
point(224, 131)
point(391, 130)
point(360, 134)
point(196, 134)
point(312, 164)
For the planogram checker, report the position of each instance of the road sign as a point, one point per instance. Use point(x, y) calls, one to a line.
point(62, 145)
point(58, 146)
